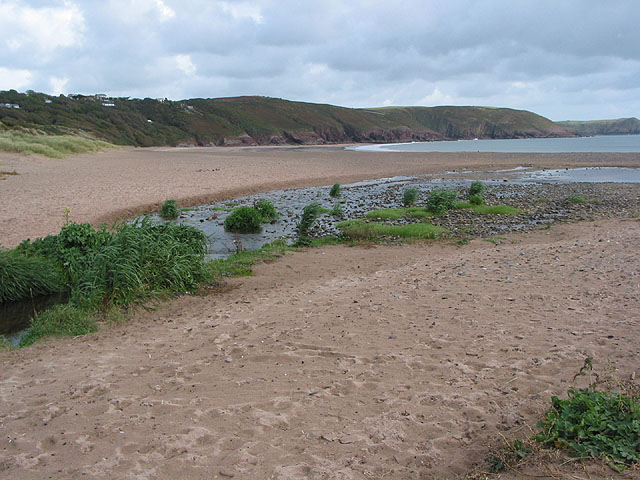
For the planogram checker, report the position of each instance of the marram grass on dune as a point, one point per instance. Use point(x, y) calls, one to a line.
point(54, 146)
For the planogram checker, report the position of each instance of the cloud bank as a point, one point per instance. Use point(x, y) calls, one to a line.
point(575, 59)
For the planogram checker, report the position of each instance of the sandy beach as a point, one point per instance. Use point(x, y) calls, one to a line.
point(400, 362)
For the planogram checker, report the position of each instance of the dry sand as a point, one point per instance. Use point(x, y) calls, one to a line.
point(333, 363)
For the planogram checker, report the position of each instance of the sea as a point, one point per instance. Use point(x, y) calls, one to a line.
point(598, 144)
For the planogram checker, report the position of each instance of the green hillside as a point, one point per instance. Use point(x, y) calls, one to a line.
point(619, 126)
point(258, 121)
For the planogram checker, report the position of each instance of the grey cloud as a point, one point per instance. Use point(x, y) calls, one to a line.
point(575, 58)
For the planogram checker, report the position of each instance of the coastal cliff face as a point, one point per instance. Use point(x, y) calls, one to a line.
point(254, 121)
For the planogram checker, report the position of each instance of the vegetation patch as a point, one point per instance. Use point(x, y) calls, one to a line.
point(239, 264)
point(24, 277)
point(104, 270)
point(169, 210)
point(577, 198)
point(54, 146)
point(398, 213)
point(337, 210)
point(439, 201)
point(409, 196)
point(362, 230)
point(310, 214)
point(266, 210)
point(244, 220)
point(336, 190)
point(60, 320)
point(476, 188)
point(476, 199)
point(593, 424)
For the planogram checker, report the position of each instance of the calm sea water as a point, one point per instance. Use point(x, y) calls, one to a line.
point(608, 143)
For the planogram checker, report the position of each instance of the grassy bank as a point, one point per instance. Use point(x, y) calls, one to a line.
point(53, 146)
point(106, 271)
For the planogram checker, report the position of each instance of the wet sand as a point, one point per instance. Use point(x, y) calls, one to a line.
point(334, 363)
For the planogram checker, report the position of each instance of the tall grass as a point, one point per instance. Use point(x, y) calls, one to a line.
point(24, 277)
point(112, 269)
point(54, 146)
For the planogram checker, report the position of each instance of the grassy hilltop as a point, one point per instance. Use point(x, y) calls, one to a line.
point(620, 126)
point(258, 121)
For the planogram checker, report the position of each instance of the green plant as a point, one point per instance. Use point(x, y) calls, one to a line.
point(266, 210)
point(54, 146)
point(60, 320)
point(240, 263)
point(476, 199)
point(398, 213)
point(310, 214)
point(409, 196)
point(508, 456)
point(169, 210)
point(594, 424)
point(337, 210)
point(577, 199)
point(336, 190)
point(243, 220)
point(476, 188)
point(361, 230)
point(495, 210)
point(26, 276)
point(105, 270)
point(439, 201)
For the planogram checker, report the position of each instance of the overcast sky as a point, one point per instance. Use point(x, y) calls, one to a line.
point(564, 59)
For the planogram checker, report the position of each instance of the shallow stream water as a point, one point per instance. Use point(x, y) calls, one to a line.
point(361, 197)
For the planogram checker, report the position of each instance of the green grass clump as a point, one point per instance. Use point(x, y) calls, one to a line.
point(409, 196)
point(476, 188)
point(310, 214)
point(577, 199)
point(476, 199)
point(244, 220)
point(240, 263)
point(439, 201)
point(54, 146)
point(60, 320)
point(169, 210)
point(336, 190)
point(361, 230)
point(103, 269)
point(398, 213)
point(337, 210)
point(594, 424)
point(25, 277)
point(266, 210)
